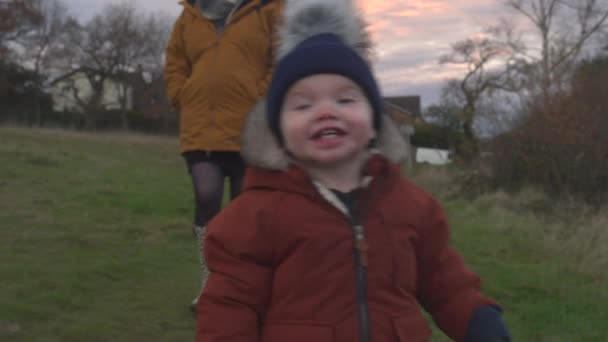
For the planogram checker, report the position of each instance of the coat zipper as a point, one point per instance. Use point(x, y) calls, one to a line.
point(360, 253)
point(361, 263)
point(216, 43)
point(219, 34)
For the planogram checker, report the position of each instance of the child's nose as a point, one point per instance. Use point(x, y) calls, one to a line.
point(326, 111)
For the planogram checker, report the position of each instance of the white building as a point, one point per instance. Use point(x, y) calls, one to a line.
point(68, 89)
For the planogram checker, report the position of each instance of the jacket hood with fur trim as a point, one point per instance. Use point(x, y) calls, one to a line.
point(303, 19)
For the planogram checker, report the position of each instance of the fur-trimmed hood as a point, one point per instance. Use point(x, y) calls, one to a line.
point(260, 148)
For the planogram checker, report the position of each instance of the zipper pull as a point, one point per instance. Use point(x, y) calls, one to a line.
point(361, 245)
point(363, 248)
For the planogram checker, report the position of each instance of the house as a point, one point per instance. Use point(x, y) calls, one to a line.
point(433, 156)
point(406, 112)
point(70, 91)
point(141, 93)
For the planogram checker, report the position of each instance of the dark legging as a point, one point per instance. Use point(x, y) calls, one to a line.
point(208, 171)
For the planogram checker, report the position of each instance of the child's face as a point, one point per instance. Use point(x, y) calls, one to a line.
point(326, 120)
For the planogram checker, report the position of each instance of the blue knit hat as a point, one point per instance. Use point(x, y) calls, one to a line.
point(322, 53)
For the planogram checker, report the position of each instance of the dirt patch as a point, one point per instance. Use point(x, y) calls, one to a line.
point(9, 328)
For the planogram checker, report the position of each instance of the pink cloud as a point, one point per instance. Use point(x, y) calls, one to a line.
point(412, 8)
point(409, 38)
point(410, 12)
point(372, 7)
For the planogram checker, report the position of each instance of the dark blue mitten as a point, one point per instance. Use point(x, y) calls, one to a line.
point(486, 325)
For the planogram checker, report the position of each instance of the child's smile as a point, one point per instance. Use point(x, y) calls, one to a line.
point(328, 137)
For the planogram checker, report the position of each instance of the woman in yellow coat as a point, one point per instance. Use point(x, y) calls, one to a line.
point(219, 62)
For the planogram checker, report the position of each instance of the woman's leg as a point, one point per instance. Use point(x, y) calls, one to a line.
point(208, 184)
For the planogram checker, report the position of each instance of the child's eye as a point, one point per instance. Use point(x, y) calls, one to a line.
point(302, 106)
point(346, 100)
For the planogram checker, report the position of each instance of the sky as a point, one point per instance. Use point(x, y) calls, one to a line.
point(409, 36)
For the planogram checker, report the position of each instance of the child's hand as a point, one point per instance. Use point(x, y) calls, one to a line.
point(486, 325)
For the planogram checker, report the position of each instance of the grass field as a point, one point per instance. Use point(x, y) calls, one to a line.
point(95, 245)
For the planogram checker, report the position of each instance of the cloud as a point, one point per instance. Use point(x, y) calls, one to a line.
point(84, 10)
point(409, 36)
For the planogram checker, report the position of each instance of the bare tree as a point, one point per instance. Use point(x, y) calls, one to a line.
point(116, 45)
point(501, 61)
point(17, 17)
point(122, 28)
point(491, 65)
point(42, 44)
point(564, 28)
point(157, 28)
point(76, 59)
point(146, 54)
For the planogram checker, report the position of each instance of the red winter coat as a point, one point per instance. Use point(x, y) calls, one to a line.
point(282, 264)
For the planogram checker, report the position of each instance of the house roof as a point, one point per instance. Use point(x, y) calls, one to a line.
point(409, 104)
point(65, 76)
point(131, 75)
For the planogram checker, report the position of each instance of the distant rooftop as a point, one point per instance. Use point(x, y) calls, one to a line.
point(410, 104)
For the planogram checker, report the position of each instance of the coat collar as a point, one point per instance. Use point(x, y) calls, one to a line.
point(243, 8)
point(295, 179)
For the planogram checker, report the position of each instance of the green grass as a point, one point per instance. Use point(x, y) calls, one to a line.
point(545, 297)
point(95, 245)
point(95, 238)
point(531, 263)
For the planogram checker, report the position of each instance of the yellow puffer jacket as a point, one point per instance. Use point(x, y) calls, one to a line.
point(215, 79)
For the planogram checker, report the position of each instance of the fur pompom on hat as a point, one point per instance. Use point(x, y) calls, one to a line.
point(321, 37)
